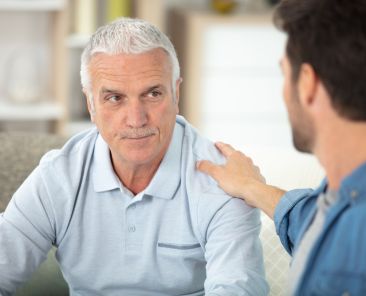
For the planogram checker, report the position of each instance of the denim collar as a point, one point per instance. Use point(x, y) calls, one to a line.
point(353, 186)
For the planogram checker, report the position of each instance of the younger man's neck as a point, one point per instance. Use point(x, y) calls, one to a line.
point(343, 152)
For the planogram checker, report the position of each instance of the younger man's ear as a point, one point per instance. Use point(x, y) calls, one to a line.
point(307, 84)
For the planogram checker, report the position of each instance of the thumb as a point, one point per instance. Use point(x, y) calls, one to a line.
point(207, 167)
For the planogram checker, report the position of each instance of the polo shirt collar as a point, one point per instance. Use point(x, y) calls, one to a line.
point(104, 177)
point(165, 181)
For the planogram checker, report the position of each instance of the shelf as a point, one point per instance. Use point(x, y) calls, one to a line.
point(35, 111)
point(77, 41)
point(32, 5)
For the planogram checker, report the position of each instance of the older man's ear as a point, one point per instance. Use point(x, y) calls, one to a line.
point(90, 104)
point(177, 93)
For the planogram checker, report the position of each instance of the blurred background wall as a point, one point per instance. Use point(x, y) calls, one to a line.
point(229, 53)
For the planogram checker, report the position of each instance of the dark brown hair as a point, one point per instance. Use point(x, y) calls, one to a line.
point(330, 35)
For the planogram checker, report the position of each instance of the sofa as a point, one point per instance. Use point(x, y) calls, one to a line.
point(20, 153)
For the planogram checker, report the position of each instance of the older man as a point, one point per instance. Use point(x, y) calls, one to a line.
point(123, 203)
point(325, 94)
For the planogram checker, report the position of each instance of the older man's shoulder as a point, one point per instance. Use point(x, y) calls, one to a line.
point(76, 150)
point(196, 147)
point(198, 144)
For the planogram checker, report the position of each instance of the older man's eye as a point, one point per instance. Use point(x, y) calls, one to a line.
point(113, 99)
point(155, 94)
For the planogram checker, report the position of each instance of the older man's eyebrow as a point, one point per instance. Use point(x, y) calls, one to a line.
point(105, 93)
point(154, 87)
point(105, 90)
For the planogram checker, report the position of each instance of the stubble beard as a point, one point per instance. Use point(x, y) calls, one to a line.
point(303, 134)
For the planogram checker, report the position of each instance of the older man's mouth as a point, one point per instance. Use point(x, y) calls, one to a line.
point(139, 138)
point(138, 134)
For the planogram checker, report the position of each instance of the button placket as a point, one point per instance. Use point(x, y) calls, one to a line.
point(131, 218)
point(131, 227)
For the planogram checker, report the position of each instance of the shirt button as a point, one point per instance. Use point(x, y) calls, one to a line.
point(133, 207)
point(354, 194)
point(131, 228)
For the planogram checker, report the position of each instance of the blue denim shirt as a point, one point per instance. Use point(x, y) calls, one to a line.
point(337, 262)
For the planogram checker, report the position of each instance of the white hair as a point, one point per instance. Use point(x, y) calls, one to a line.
point(128, 36)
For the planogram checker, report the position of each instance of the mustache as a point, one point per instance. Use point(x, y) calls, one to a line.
point(136, 133)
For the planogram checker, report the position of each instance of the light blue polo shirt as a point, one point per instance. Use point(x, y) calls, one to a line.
point(181, 236)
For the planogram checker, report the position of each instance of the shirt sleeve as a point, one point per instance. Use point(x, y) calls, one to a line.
point(291, 214)
point(233, 252)
point(26, 233)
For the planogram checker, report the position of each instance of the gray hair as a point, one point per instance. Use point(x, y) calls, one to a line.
point(128, 36)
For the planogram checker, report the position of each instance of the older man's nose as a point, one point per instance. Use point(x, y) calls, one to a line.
point(136, 114)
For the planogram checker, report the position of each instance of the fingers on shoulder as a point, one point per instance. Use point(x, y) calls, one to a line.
point(229, 151)
point(226, 149)
point(242, 157)
point(206, 166)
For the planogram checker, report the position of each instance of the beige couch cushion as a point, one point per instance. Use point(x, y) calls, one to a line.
point(19, 155)
point(287, 169)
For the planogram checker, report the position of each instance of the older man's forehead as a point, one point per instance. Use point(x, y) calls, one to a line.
point(157, 53)
point(133, 63)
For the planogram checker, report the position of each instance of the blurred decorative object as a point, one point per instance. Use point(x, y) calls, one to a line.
point(152, 11)
point(118, 8)
point(255, 6)
point(23, 84)
point(224, 6)
point(85, 17)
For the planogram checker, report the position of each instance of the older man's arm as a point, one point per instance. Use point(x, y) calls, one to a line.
point(234, 252)
point(25, 234)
